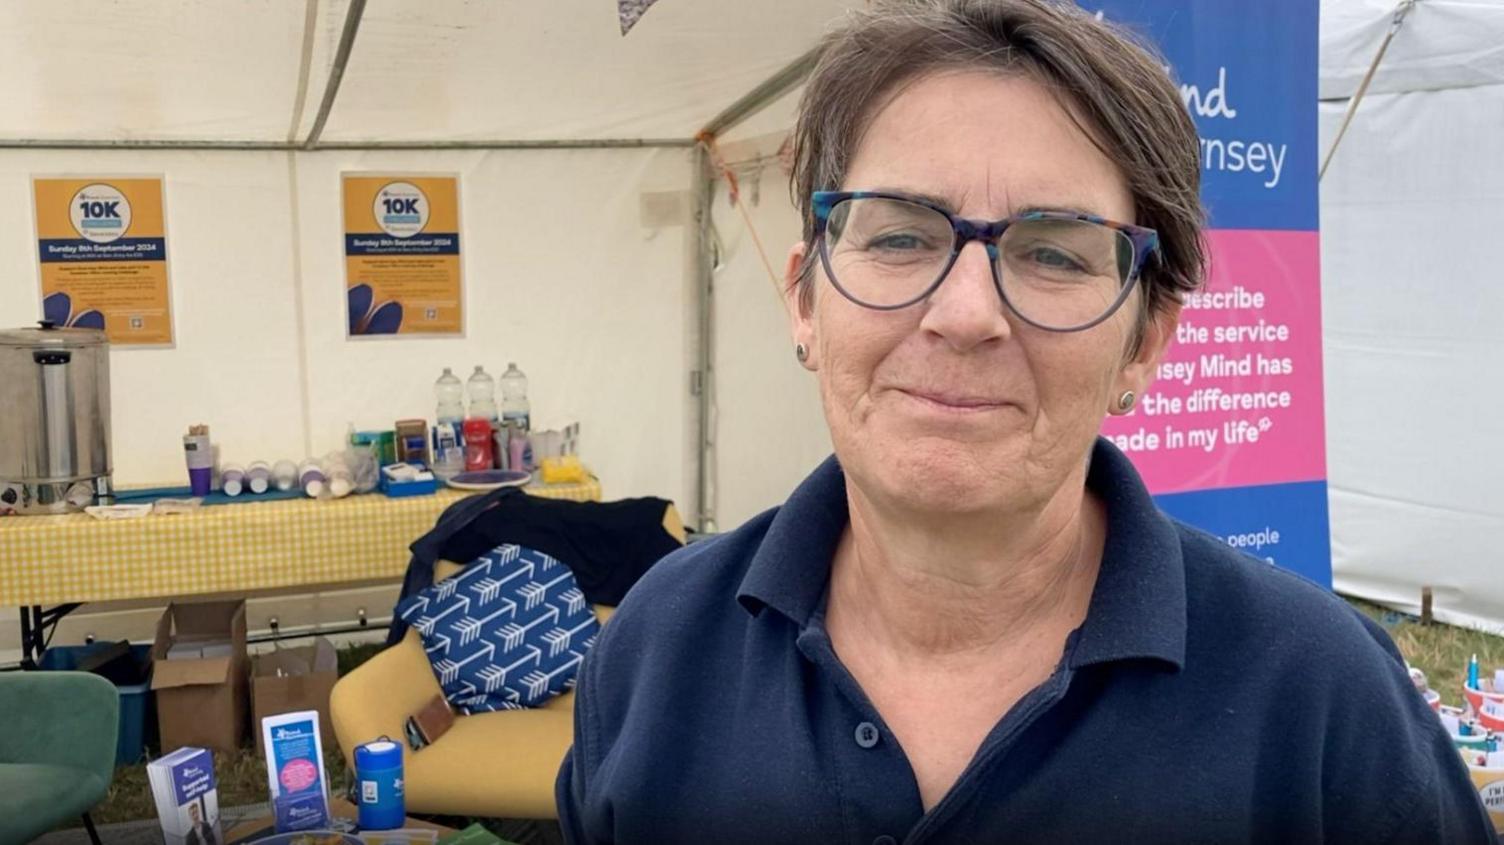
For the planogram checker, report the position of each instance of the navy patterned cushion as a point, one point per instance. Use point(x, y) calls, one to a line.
point(506, 632)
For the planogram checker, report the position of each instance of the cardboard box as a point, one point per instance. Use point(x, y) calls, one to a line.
point(307, 674)
point(201, 700)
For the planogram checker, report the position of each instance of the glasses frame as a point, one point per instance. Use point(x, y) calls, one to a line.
point(1145, 242)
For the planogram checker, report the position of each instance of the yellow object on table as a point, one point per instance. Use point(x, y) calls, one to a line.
point(73, 558)
point(564, 470)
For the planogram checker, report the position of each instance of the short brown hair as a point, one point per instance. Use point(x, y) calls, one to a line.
point(1110, 79)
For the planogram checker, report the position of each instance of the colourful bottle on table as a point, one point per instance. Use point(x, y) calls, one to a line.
point(478, 455)
point(198, 451)
point(517, 448)
point(378, 778)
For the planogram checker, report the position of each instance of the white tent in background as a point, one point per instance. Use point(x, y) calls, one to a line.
point(580, 184)
point(1414, 306)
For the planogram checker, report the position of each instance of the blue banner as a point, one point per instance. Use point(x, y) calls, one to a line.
point(1247, 74)
point(1283, 524)
point(1254, 476)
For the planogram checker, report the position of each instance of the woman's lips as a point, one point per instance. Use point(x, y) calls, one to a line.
point(959, 403)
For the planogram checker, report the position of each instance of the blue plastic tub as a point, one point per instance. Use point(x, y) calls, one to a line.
point(134, 699)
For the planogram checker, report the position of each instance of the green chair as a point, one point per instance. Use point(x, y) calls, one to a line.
point(57, 750)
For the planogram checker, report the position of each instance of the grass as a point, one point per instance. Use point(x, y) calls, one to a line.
point(1441, 651)
point(242, 778)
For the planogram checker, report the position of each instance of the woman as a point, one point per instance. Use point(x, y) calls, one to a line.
point(972, 624)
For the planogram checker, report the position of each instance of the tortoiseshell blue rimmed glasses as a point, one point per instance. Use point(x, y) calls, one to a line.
point(1061, 271)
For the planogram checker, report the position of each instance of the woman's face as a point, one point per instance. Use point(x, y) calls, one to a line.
point(954, 404)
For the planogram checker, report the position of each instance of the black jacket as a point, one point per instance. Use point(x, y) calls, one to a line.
point(607, 545)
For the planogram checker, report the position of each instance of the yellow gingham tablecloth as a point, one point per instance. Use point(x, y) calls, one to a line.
point(49, 560)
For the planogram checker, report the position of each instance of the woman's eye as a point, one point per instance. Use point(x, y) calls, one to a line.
point(898, 241)
point(1054, 259)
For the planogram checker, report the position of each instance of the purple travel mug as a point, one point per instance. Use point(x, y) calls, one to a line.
point(200, 456)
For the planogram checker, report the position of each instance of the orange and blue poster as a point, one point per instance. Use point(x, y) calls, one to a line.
point(102, 256)
point(402, 254)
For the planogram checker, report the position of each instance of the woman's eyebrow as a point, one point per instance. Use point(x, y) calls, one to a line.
point(940, 202)
point(1058, 208)
point(1066, 207)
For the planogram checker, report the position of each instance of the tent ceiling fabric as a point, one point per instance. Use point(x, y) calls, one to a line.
point(421, 70)
point(159, 70)
point(1442, 44)
point(530, 70)
point(525, 70)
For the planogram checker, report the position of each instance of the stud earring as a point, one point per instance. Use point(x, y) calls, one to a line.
point(801, 352)
point(1125, 402)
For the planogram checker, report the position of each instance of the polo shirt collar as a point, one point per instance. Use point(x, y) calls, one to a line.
point(1137, 610)
point(791, 567)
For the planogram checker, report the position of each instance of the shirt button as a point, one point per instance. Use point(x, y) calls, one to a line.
point(866, 737)
point(885, 839)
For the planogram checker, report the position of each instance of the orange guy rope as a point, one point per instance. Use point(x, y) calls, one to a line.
point(733, 193)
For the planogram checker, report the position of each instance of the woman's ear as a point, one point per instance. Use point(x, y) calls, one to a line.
point(800, 308)
point(1138, 371)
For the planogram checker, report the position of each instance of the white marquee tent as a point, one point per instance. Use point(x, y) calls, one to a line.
point(656, 327)
point(1413, 304)
point(580, 183)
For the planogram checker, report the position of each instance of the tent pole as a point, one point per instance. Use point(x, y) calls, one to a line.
point(792, 75)
point(141, 144)
point(546, 144)
point(282, 146)
point(702, 379)
point(305, 63)
point(337, 71)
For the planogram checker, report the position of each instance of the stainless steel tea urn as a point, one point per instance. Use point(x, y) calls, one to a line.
point(54, 419)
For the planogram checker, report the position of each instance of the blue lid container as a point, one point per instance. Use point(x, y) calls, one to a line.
point(378, 784)
point(137, 715)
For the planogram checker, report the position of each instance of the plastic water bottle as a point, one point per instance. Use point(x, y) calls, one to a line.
point(448, 442)
point(482, 390)
point(451, 396)
point(514, 405)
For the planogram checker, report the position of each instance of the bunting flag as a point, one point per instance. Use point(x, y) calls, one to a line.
point(631, 11)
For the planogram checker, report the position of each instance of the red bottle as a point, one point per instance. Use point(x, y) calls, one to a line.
point(478, 454)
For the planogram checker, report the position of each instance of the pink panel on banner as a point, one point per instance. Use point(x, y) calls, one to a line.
point(1238, 401)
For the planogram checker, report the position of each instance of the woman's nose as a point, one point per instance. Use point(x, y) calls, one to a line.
point(966, 309)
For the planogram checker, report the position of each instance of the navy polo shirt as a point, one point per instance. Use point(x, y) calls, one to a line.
point(1207, 697)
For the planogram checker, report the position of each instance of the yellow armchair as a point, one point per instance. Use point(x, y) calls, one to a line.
point(499, 765)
